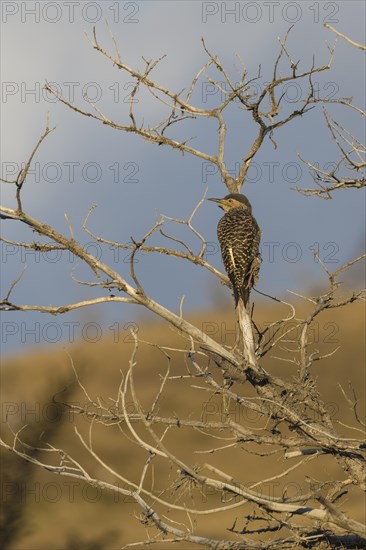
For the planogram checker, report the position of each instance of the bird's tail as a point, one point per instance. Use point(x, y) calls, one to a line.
point(250, 280)
point(243, 293)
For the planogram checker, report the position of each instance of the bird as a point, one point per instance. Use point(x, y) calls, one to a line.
point(239, 238)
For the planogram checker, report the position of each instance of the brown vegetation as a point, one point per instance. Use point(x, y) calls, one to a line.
point(84, 517)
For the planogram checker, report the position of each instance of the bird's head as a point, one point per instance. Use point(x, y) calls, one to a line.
point(234, 200)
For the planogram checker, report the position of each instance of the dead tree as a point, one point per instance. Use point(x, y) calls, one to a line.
point(295, 423)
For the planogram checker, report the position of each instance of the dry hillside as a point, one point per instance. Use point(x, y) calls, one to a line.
point(43, 511)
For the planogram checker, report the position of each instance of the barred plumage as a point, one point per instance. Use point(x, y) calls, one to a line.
point(239, 238)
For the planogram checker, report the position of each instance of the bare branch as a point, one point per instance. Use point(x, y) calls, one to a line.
point(352, 42)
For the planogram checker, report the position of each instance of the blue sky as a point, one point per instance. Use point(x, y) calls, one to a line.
point(79, 162)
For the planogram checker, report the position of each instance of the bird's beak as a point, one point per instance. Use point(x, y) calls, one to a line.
point(215, 200)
